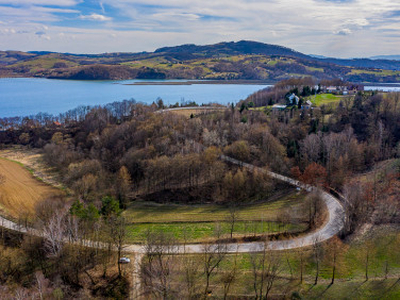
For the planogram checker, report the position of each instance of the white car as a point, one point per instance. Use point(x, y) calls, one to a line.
point(124, 260)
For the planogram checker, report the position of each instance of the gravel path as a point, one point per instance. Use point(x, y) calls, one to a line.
point(329, 229)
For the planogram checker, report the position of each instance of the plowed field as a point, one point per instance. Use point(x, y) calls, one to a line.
point(20, 191)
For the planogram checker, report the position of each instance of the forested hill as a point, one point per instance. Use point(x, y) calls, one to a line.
point(244, 60)
point(232, 48)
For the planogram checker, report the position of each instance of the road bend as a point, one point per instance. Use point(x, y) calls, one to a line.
point(331, 227)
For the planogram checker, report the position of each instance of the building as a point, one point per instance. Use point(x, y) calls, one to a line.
point(278, 107)
point(307, 105)
point(293, 99)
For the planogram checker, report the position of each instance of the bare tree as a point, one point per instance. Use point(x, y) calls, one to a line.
point(21, 293)
point(314, 208)
point(159, 264)
point(232, 218)
point(368, 251)
point(213, 254)
point(42, 285)
point(117, 231)
point(191, 265)
point(301, 255)
point(54, 233)
point(333, 254)
point(317, 251)
point(229, 277)
point(266, 267)
point(358, 207)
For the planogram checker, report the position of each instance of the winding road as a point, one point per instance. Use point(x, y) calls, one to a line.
point(333, 225)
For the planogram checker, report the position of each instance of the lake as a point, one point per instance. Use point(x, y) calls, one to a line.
point(28, 96)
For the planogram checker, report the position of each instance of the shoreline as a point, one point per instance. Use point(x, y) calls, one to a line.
point(190, 81)
point(195, 82)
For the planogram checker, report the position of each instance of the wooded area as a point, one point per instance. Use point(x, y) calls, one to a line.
point(112, 155)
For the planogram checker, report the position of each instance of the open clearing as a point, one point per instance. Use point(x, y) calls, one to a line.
point(321, 99)
point(20, 191)
point(194, 111)
point(209, 231)
point(199, 223)
point(145, 212)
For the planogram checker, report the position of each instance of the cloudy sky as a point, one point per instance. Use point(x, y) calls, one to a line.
point(340, 28)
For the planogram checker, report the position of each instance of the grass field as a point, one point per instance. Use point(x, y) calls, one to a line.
point(200, 222)
point(20, 191)
point(375, 72)
point(188, 112)
point(383, 243)
point(144, 212)
point(321, 99)
point(203, 231)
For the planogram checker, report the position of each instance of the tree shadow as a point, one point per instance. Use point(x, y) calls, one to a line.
point(311, 287)
point(319, 296)
point(357, 288)
point(391, 287)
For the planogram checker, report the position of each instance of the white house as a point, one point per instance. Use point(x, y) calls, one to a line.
point(293, 99)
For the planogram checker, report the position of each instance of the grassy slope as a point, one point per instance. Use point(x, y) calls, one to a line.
point(208, 231)
point(140, 212)
point(201, 222)
point(383, 242)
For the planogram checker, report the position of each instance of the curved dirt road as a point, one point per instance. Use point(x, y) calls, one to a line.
point(329, 229)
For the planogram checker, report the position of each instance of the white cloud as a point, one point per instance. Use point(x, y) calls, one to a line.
point(102, 7)
point(344, 31)
point(41, 2)
point(95, 17)
point(335, 28)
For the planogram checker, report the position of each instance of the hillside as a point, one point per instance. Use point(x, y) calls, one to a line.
point(244, 60)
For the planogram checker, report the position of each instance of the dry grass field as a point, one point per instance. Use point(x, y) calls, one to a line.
point(187, 112)
point(20, 191)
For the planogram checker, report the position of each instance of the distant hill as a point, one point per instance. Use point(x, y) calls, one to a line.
point(233, 48)
point(243, 60)
point(366, 63)
point(387, 57)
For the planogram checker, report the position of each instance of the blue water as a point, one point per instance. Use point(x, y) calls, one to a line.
point(28, 96)
point(384, 88)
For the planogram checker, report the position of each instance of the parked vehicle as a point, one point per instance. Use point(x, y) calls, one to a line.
point(124, 260)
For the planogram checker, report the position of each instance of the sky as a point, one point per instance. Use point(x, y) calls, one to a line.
point(336, 28)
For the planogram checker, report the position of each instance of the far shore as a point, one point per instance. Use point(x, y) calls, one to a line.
point(189, 82)
point(192, 82)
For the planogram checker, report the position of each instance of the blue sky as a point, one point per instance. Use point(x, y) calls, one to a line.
point(340, 28)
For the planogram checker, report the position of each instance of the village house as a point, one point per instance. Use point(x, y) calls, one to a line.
point(278, 107)
point(307, 105)
point(293, 99)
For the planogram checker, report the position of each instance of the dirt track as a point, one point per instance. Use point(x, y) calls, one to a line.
point(330, 228)
point(20, 191)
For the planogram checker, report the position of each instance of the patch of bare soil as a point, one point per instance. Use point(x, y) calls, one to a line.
point(20, 191)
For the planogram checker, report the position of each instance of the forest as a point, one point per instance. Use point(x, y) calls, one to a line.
point(111, 157)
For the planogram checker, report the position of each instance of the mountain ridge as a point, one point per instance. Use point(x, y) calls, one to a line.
point(225, 60)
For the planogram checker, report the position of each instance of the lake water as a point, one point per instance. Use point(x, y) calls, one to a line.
point(385, 88)
point(28, 96)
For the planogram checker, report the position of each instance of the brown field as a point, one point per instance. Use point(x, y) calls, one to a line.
point(20, 191)
point(33, 160)
point(196, 112)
